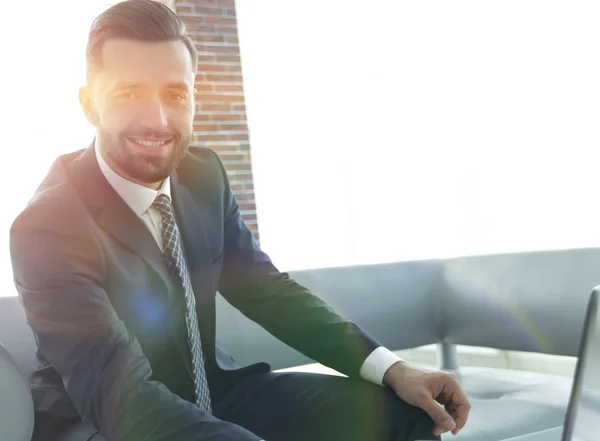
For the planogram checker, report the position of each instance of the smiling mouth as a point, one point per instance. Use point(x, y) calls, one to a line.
point(150, 143)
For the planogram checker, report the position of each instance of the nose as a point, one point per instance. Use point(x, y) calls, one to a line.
point(153, 114)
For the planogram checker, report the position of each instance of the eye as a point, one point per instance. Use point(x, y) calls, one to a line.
point(174, 96)
point(127, 95)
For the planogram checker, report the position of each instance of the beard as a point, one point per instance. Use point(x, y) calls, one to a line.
point(134, 163)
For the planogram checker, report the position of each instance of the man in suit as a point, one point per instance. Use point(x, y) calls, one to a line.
point(118, 258)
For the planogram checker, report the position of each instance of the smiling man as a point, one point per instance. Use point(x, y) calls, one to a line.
point(118, 259)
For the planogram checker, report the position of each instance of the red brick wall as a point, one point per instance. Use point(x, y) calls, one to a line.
point(220, 122)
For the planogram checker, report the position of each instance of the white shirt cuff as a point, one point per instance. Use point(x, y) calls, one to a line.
point(377, 363)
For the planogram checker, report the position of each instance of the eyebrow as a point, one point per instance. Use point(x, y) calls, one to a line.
point(178, 85)
point(132, 85)
point(124, 85)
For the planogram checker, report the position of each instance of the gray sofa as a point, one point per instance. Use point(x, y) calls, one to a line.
point(532, 302)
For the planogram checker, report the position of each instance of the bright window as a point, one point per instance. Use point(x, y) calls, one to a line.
point(392, 130)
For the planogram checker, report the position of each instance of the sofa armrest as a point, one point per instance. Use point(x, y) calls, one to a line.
point(16, 404)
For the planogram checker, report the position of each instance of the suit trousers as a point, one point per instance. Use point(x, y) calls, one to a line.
point(298, 406)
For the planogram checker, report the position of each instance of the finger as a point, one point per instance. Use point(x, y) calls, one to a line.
point(461, 408)
point(457, 394)
point(456, 403)
point(442, 419)
point(451, 409)
point(460, 417)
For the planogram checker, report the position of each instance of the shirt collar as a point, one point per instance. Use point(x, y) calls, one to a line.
point(136, 196)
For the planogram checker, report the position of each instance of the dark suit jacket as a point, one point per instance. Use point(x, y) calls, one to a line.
point(109, 318)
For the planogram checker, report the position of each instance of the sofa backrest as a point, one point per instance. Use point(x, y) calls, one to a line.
point(533, 301)
point(392, 302)
point(520, 301)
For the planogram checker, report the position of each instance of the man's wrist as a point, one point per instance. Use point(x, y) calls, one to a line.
point(394, 372)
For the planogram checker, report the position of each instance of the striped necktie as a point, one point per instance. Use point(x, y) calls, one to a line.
point(173, 253)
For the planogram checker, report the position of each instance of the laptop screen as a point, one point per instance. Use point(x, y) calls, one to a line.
point(586, 396)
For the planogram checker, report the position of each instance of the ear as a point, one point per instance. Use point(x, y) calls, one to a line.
point(194, 94)
point(87, 105)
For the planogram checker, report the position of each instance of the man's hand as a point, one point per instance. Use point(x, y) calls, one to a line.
point(422, 388)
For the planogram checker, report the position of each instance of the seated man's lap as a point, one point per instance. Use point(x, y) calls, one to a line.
point(294, 406)
point(299, 406)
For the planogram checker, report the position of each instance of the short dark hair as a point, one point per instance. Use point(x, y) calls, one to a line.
point(141, 20)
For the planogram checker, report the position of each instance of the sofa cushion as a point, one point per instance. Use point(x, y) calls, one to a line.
point(511, 403)
point(544, 435)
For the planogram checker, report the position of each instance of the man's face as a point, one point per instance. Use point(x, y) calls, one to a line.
point(142, 104)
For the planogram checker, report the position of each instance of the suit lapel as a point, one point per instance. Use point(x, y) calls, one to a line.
point(115, 217)
point(126, 227)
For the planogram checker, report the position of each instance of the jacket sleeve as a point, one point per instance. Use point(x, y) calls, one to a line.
point(58, 271)
point(289, 311)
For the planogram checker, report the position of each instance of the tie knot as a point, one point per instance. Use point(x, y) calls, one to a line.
point(163, 204)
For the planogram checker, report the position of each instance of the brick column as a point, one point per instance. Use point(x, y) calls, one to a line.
point(220, 121)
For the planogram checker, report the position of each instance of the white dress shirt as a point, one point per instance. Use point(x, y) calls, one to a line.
point(140, 199)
